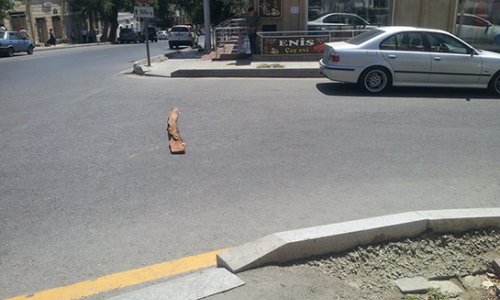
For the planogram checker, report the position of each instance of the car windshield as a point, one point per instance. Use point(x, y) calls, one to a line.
point(365, 36)
point(180, 29)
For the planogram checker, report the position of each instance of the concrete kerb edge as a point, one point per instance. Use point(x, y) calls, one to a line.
point(139, 67)
point(283, 247)
point(249, 72)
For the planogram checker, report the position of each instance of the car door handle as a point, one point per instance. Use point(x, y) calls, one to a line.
point(392, 56)
point(437, 58)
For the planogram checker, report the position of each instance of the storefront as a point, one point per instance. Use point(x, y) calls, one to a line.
point(475, 21)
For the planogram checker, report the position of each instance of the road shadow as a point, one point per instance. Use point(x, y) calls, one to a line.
point(185, 52)
point(344, 89)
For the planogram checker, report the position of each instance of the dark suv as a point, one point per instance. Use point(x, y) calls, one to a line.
point(152, 35)
point(128, 35)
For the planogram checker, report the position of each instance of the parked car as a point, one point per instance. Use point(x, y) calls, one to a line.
point(475, 29)
point(335, 21)
point(152, 35)
point(409, 56)
point(12, 42)
point(182, 35)
point(162, 35)
point(128, 35)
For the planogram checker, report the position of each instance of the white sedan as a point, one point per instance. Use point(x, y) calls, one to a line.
point(409, 56)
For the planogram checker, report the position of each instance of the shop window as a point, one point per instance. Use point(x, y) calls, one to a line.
point(478, 23)
point(376, 12)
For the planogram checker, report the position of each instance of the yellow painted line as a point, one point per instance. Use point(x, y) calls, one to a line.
point(126, 278)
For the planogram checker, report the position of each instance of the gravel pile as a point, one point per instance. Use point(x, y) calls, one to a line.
point(373, 269)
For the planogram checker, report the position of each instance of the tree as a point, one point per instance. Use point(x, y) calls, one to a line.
point(5, 5)
point(220, 10)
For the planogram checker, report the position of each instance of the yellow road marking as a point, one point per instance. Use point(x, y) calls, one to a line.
point(126, 278)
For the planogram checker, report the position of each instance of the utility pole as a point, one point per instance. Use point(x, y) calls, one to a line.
point(208, 34)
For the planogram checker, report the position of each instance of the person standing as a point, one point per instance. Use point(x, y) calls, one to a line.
point(2, 28)
point(72, 36)
point(83, 33)
point(252, 21)
point(24, 33)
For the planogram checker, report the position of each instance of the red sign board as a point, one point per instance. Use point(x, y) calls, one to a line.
point(306, 44)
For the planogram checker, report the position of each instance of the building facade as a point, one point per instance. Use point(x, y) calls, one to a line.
point(37, 17)
point(475, 21)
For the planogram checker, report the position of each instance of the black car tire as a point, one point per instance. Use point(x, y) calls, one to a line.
point(375, 80)
point(10, 51)
point(171, 45)
point(494, 85)
point(30, 50)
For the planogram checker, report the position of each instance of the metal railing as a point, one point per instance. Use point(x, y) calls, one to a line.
point(229, 35)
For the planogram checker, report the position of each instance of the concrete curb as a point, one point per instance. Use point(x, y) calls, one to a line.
point(139, 67)
point(192, 286)
point(67, 46)
point(249, 72)
point(292, 245)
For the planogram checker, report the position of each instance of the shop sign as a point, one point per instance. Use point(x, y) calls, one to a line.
point(309, 44)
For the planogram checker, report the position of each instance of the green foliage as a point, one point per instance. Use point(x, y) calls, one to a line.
point(432, 294)
point(435, 294)
point(220, 10)
point(5, 5)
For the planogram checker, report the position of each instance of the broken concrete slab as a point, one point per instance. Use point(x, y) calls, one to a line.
point(447, 287)
point(415, 285)
point(473, 282)
point(189, 287)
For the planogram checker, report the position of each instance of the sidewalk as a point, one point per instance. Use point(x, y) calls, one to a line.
point(192, 63)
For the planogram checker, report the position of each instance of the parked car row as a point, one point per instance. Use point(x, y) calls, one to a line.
point(179, 35)
point(128, 35)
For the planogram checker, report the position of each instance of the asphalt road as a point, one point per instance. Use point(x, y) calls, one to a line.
point(88, 186)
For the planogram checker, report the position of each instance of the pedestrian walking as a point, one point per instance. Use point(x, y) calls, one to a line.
point(52, 38)
point(252, 22)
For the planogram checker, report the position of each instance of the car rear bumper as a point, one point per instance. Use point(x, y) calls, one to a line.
point(337, 73)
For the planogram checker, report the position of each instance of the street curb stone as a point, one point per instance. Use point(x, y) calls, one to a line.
point(248, 72)
point(193, 286)
point(292, 245)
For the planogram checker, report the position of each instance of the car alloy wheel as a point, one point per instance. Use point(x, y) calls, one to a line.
point(10, 52)
point(375, 80)
point(30, 50)
point(495, 84)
